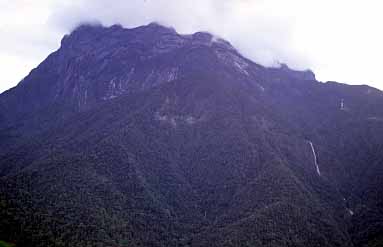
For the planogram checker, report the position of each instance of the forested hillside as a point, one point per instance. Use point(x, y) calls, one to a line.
point(145, 137)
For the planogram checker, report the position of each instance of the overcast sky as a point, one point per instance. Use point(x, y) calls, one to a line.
point(340, 40)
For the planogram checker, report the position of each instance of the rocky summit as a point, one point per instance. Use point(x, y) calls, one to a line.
point(145, 137)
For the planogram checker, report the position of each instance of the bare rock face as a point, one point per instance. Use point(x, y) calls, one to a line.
point(145, 137)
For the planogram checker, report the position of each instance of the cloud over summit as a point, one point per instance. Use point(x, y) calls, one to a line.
point(339, 40)
point(247, 24)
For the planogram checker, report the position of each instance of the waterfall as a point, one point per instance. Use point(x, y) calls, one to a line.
point(315, 157)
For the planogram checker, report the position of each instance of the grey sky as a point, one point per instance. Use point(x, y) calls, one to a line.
point(338, 39)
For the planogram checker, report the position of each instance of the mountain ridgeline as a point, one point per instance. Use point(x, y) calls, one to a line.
point(145, 137)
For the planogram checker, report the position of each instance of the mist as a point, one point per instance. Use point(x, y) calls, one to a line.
point(257, 29)
point(339, 40)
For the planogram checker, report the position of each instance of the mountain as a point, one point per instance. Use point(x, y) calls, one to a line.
point(145, 137)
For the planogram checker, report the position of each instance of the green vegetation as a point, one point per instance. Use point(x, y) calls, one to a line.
point(211, 157)
point(5, 244)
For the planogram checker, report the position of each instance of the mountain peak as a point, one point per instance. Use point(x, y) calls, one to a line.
point(97, 63)
point(98, 27)
point(146, 137)
point(306, 75)
point(157, 25)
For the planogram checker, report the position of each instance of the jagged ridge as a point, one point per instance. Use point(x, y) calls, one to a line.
point(147, 137)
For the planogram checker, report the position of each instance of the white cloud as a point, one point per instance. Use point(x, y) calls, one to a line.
point(340, 40)
point(258, 28)
point(26, 38)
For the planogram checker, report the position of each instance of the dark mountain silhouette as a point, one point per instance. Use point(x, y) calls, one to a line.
point(145, 137)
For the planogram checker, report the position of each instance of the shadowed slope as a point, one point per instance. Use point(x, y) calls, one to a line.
point(144, 137)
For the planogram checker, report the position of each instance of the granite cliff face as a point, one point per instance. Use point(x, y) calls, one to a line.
point(145, 137)
point(95, 64)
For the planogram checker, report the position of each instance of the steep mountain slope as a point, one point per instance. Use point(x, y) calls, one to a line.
point(144, 137)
